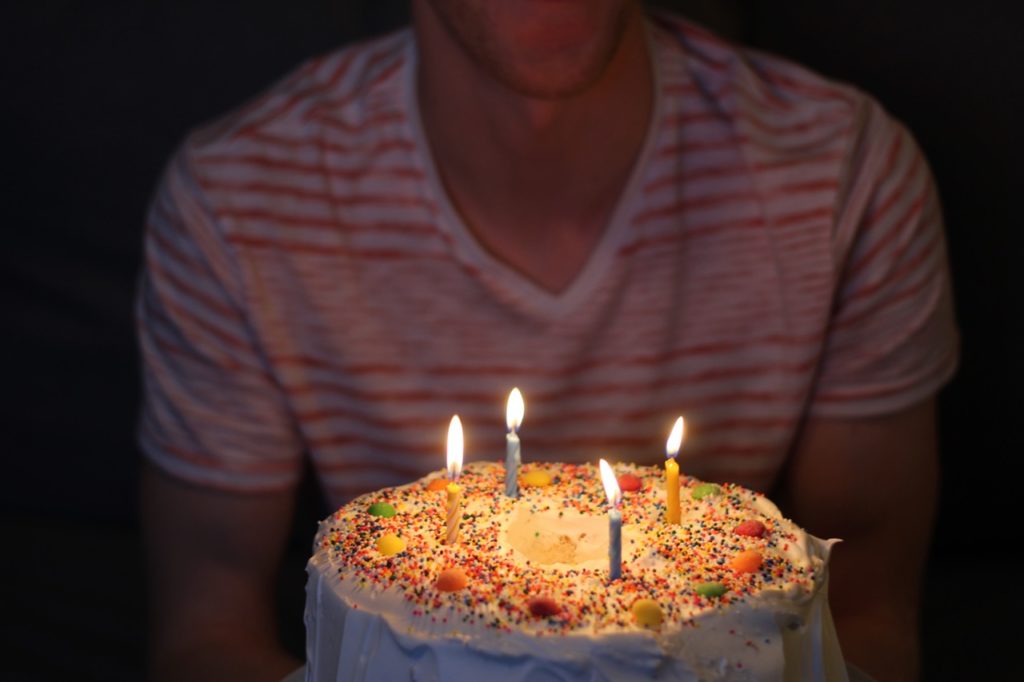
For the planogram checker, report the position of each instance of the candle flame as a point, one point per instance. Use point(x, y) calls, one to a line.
point(515, 410)
point(454, 448)
point(611, 484)
point(675, 439)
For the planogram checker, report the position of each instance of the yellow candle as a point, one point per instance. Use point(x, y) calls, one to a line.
point(453, 510)
point(672, 490)
point(454, 514)
point(675, 440)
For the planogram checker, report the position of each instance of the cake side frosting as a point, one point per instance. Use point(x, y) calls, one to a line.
point(734, 591)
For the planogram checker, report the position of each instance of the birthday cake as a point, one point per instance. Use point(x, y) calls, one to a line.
point(734, 591)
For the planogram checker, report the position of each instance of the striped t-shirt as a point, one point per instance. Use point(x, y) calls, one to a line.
point(777, 253)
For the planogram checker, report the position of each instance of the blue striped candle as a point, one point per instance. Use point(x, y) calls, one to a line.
point(614, 493)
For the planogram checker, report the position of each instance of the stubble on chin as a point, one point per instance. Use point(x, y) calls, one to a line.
point(542, 73)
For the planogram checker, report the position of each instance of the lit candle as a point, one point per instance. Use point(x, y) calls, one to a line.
point(611, 489)
point(453, 513)
point(514, 411)
point(672, 472)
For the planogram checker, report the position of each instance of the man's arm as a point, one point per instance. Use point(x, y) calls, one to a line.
point(213, 558)
point(872, 482)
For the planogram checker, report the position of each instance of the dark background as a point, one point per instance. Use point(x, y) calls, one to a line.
point(95, 96)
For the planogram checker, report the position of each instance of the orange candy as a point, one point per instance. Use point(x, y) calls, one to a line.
point(451, 580)
point(437, 484)
point(746, 562)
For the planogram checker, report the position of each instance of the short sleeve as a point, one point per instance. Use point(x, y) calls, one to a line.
point(212, 413)
point(892, 339)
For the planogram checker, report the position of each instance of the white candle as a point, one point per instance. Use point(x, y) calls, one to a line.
point(611, 489)
point(514, 412)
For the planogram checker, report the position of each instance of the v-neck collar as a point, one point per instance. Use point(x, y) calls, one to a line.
point(497, 274)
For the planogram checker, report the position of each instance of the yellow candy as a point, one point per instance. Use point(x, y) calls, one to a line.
point(390, 544)
point(647, 613)
point(536, 479)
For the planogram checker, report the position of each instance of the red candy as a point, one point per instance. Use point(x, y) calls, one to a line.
point(753, 529)
point(543, 607)
point(629, 482)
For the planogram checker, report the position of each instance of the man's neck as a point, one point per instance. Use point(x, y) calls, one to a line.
point(534, 179)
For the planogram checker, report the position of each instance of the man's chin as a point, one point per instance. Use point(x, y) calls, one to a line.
point(540, 49)
point(551, 82)
point(554, 66)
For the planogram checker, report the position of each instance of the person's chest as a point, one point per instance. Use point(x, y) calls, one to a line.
point(375, 350)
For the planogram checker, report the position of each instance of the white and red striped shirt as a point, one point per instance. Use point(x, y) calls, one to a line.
point(777, 253)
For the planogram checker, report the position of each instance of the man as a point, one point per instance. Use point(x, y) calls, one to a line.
point(622, 215)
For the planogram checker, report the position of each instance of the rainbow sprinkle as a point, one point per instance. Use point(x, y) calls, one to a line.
point(666, 568)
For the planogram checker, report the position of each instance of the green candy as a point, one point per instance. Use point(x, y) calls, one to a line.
point(711, 589)
point(382, 509)
point(705, 489)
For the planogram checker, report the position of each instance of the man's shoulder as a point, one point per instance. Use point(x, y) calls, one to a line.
point(346, 90)
point(749, 82)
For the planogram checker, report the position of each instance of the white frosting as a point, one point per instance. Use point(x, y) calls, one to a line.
point(358, 630)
